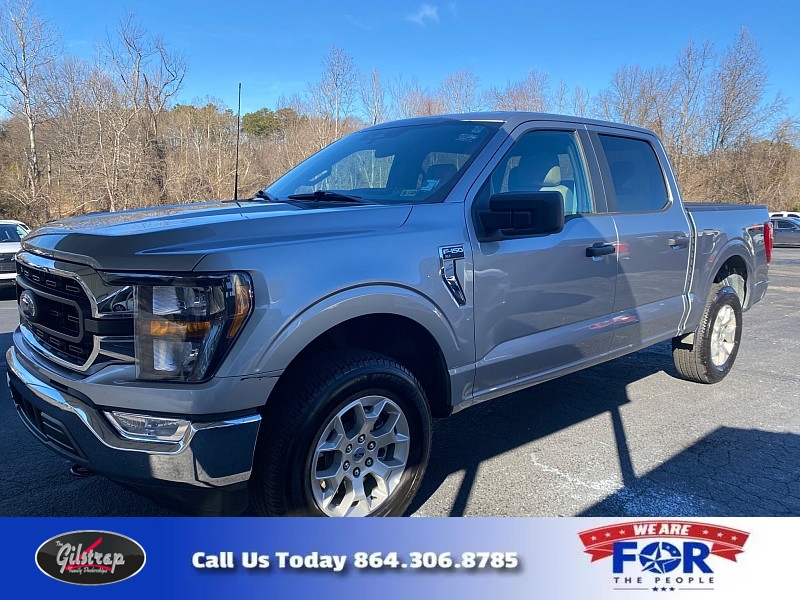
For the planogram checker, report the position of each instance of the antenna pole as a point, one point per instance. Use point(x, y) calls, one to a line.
point(238, 127)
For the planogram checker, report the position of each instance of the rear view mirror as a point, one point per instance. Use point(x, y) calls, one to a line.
point(523, 213)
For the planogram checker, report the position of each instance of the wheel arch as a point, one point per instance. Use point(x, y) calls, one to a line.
point(732, 261)
point(734, 272)
point(395, 322)
point(731, 264)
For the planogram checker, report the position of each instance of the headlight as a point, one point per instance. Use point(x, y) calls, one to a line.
point(185, 326)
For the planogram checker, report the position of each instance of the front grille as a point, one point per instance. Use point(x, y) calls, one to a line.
point(59, 316)
point(7, 262)
point(52, 283)
point(61, 308)
point(69, 315)
point(76, 353)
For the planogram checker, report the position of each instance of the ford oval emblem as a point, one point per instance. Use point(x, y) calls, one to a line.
point(27, 305)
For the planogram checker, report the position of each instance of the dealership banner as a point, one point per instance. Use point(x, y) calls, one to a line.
point(403, 558)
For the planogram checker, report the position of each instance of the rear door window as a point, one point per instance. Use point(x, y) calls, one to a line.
point(636, 176)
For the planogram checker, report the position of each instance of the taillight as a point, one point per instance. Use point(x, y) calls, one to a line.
point(768, 240)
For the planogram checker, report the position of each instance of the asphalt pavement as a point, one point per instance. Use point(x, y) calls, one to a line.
point(625, 438)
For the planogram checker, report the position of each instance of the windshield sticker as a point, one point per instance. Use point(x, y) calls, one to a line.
point(429, 185)
point(408, 193)
point(467, 137)
point(319, 175)
point(478, 129)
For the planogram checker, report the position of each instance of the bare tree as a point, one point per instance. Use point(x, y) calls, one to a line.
point(412, 99)
point(84, 136)
point(137, 76)
point(73, 167)
point(201, 163)
point(459, 92)
point(29, 47)
point(580, 101)
point(638, 96)
point(560, 100)
point(686, 130)
point(739, 84)
point(295, 141)
point(333, 95)
point(532, 93)
point(373, 97)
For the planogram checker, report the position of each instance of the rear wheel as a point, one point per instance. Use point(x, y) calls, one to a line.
point(707, 355)
point(349, 435)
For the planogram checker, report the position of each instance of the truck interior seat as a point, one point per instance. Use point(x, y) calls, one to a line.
point(532, 174)
point(441, 173)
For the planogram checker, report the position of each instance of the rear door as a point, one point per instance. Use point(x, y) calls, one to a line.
point(542, 304)
point(654, 237)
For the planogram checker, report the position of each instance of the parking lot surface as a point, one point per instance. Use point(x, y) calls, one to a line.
point(625, 438)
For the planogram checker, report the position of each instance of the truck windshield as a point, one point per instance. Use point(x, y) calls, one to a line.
point(11, 232)
point(415, 163)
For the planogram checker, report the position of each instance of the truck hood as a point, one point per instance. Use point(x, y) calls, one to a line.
point(9, 247)
point(176, 238)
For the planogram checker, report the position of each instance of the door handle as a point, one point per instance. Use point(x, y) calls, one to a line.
point(600, 249)
point(679, 240)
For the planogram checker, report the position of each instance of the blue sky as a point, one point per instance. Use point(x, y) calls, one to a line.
point(276, 48)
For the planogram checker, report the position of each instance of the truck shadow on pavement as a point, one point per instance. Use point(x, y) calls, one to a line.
point(729, 472)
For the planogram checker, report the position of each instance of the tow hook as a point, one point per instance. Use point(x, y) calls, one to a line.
point(81, 471)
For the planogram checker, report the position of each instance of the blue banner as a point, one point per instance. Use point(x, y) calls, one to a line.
point(401, 558)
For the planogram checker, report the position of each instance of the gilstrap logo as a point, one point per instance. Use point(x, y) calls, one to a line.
point(90, 557)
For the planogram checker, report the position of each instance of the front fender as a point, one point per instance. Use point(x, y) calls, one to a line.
point(348, 304)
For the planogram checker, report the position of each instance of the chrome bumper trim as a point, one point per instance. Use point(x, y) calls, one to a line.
point(174, 462)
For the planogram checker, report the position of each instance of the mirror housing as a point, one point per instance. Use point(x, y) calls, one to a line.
point(513, 214)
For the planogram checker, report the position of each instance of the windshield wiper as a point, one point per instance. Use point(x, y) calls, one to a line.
point(325, 196)
point(263, 194)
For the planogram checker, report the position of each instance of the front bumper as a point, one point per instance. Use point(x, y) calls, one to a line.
point(206, 472)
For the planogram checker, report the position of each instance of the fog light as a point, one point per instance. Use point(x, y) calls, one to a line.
point(148, 428)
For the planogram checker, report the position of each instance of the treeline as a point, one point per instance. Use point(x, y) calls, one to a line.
point(86, 136)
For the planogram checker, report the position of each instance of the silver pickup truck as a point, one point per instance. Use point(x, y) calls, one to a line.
point(291, 350)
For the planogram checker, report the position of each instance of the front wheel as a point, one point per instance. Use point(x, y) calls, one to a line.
point(348, 435)
point(707, 355)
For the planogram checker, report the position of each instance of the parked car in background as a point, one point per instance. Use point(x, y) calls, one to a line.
point(786, 231)
point(792, 214)
point(11, 233)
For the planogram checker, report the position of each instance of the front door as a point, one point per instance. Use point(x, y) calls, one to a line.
point(543, 303)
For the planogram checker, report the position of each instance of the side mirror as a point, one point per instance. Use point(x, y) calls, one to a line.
point(523, 213)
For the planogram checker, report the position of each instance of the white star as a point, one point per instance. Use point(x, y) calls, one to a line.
point(705, 531)
point(734, 538)
point(719, 535)
point(622, 532)
point(594, 538)
point(608, 534)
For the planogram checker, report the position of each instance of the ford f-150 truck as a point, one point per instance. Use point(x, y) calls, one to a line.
point(291, 350)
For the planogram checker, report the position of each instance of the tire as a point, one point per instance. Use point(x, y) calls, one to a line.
point(709, 357)
point(349, 434)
